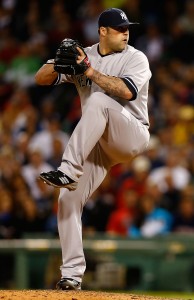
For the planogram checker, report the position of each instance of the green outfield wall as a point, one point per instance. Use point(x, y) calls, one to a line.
point(162, 263)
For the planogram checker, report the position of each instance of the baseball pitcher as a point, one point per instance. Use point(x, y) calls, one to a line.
point(112, 80)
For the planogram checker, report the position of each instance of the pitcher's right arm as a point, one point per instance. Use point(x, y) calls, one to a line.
point(46, 75)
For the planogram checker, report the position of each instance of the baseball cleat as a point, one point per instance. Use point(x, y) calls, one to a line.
point(68, 284)
point(58, 179)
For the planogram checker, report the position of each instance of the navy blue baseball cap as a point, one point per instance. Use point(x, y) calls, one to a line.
point(113, 17)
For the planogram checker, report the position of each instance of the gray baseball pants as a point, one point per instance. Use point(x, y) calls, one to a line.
point(107, 134)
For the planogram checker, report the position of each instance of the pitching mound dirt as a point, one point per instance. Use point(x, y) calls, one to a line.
point(71, 295)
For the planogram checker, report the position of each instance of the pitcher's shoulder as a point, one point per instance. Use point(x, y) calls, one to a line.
point(133, 52)
point(91, 49)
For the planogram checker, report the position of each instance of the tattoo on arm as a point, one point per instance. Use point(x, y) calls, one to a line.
point(110, 84)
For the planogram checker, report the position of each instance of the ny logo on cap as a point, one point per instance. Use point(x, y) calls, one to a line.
point(123, 16)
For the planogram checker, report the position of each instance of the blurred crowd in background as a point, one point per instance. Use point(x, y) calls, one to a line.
point(152, 195)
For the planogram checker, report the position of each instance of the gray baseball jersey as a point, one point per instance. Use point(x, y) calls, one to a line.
point(131, 65)
point(109, 132)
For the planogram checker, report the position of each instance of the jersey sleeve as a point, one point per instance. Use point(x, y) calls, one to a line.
point(62, 78)
point(136, 73)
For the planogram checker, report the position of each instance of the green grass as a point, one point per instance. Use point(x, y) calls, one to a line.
point(181, 295)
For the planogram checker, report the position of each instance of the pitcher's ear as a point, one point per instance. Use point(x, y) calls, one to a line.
point(102, 31)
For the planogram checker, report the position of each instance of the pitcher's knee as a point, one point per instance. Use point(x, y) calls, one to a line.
point(65, 199)
point(96, 95)
point(99, 99)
